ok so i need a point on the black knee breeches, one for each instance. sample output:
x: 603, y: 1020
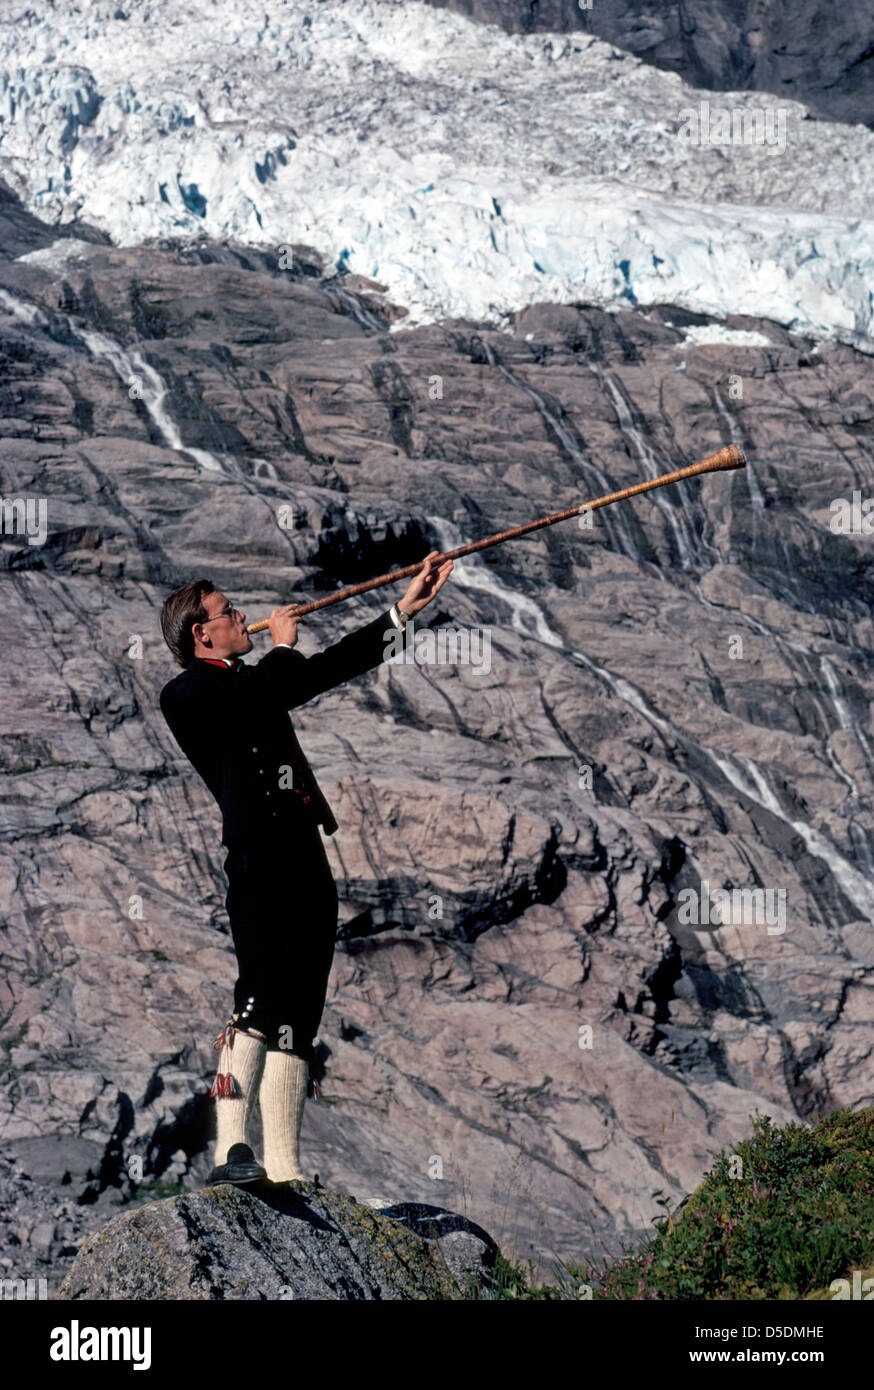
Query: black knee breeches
x: 282, y: 905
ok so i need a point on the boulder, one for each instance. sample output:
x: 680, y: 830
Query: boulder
x: 297, y: 1242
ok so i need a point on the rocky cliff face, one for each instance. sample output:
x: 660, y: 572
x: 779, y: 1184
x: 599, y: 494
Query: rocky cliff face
x: 808, y: 51
x: 527, y: 1021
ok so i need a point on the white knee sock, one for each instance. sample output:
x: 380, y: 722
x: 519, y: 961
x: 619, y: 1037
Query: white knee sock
x: 282, y: 1097
x: 245, y: 1058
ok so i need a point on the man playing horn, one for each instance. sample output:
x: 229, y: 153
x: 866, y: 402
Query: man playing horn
x: 232, y: 722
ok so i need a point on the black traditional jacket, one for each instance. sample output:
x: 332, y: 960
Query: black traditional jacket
x: 234, y: 727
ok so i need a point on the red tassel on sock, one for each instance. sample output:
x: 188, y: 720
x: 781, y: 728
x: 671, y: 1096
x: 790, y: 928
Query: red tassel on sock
x: 225, y: 1037
x: 225, y: 1084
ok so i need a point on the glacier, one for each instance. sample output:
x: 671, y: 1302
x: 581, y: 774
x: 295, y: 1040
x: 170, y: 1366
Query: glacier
x: 466, y: 171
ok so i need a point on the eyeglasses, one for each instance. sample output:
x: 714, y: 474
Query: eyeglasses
x: 228, y: 612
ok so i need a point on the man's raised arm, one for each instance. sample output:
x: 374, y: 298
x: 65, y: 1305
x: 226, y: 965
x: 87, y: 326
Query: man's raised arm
x: 304, y: 677
x: 301, y: 677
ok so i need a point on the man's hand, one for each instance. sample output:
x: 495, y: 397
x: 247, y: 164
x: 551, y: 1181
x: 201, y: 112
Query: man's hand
x: 423, y: 586
x: 283, y: 627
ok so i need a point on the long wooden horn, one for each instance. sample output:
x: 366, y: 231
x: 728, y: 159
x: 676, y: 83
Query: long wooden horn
x: 730, y: 457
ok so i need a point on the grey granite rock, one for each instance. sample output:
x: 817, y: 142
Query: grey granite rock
x: 295, y: 1242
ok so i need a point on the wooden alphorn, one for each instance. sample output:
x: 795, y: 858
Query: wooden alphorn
x: 730, y: 457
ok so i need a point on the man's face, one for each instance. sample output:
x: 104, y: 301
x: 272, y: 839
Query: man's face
x: 223, y: 632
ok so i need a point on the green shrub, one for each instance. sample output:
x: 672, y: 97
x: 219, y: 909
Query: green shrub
x: 801, y: 1215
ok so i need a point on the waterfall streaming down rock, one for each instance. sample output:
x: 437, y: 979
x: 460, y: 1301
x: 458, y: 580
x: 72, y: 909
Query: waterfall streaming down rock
x: 615, y: 522
x: 141, y: 379
x: 675, y: 516
x: 526, y: 616
x: 742, y: 772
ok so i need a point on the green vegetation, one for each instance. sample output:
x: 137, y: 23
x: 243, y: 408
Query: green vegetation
x: 154, y: 1189
x: 785, y: 1214
x: 512, y: 1281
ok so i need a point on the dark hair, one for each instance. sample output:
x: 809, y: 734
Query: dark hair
x: 184, y: 607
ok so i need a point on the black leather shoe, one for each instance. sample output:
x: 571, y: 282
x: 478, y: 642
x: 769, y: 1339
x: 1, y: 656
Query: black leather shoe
x: 240, y: 1168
